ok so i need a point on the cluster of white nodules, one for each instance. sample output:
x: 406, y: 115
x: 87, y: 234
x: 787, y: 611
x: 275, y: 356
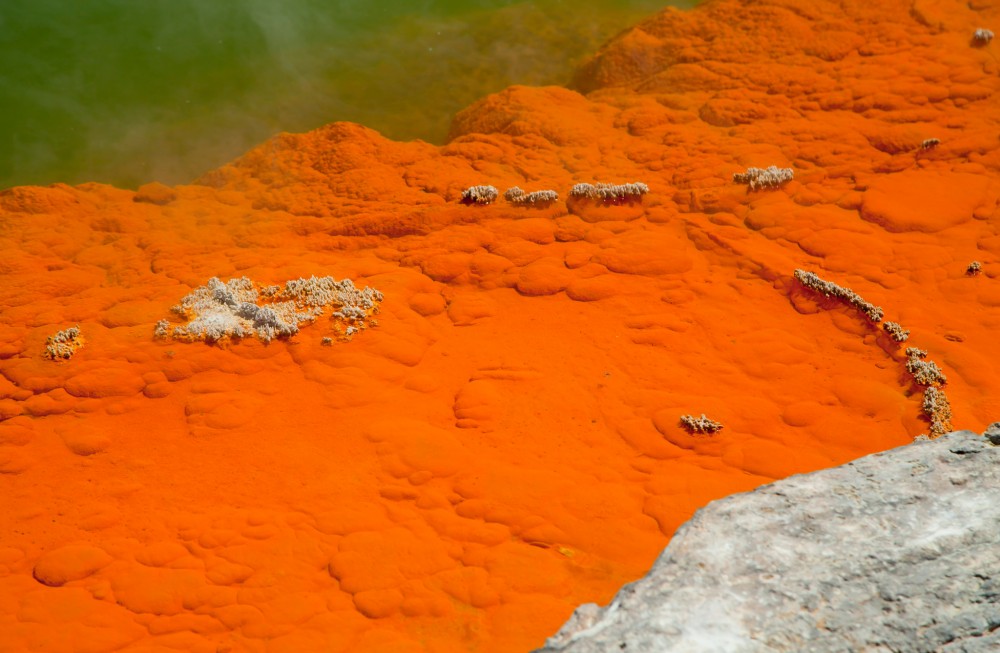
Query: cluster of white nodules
x: 317, y: 292
x: 896, y: 331
x: 63, y: 344
x: 982, y: 36
x: 700, y: 424
x: 937, y: 408
x: 237, y: 309
x: 220, y: 310
x: 935, y: 405
x: 480, y: 195
x: 924, y: 372
x: 610, y: 192
x: 769, y: 177
x: 517, y: 196
x: 830, y: 289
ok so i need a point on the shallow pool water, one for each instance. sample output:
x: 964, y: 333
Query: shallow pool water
x: 124, y: 92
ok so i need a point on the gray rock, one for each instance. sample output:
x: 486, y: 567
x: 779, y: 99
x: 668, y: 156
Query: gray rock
x: 895, y: 552
x: 992, y: 433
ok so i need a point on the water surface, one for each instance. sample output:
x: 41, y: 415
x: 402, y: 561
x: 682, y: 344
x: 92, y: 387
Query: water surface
x: 124, y: 92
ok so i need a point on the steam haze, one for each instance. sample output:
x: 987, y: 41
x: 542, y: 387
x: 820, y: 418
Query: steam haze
x: 122, y: 92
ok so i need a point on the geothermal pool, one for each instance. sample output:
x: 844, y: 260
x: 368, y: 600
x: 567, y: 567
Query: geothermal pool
x: 477, y: 421
x: 125, y: 93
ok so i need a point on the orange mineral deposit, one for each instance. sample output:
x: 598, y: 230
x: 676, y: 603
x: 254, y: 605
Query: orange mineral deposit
x: 501, y: 440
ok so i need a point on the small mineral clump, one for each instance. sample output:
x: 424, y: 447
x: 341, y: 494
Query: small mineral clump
x: 830, y: 289
x: 982, y: 36
x: 938, y: 410
x: 610, y: 193
x: 700, y: 424
x: 895, y: 331
x: 538, y: 198
x: 924, y: 372
x: 974, y: 268
x: 480, y: 195
x: 161, y: 329
x: 63, y: 344
x: 769, y: 177
x: 930, y: 143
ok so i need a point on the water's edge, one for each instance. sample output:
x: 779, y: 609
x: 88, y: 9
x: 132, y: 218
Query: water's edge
x: 115, y: 92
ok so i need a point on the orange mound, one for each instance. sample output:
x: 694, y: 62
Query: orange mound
x: 506, y: 443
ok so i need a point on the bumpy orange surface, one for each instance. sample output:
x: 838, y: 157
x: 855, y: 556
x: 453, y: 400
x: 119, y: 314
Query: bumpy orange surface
x: 505, y: 443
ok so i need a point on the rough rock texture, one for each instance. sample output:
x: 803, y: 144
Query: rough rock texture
x: 892, y: 552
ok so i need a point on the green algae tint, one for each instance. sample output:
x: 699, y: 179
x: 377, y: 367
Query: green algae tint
x: 125, y: 92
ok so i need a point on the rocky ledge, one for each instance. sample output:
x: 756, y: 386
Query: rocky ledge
x: 895, y: 551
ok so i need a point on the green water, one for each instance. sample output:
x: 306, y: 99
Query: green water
x: 129, y: 91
